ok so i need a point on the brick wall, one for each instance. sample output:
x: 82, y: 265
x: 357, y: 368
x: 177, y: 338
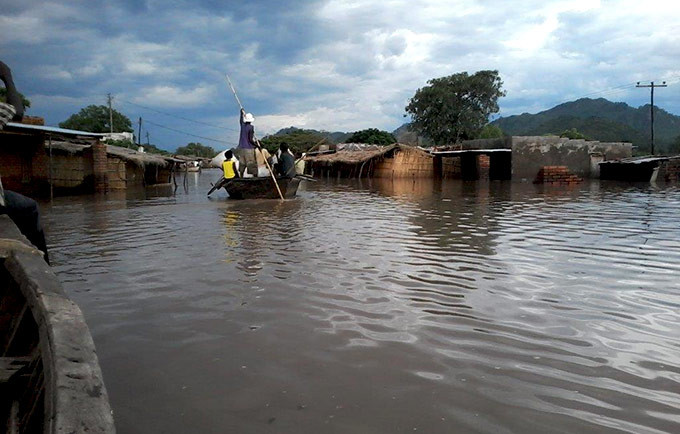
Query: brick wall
x: 483, y: 164
x: 100, y: 167
x: 669, y: 171
x: 556, y: 175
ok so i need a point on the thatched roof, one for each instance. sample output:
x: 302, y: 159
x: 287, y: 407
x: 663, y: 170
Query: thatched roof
x: 139, y: 158
x: 355, y: 157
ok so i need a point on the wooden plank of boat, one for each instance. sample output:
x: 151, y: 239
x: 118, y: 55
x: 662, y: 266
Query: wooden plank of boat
x: 54, y: 382
x: 261, y: 188
x: 10, y: 366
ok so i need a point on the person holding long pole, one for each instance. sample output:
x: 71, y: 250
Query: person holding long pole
x: 249, y: 139
x: 245, y: 151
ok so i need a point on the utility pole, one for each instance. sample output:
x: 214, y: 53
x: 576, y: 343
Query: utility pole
x: 147, y: 138
x: 652, y: 86
x: 139, y: 136
x: 110, y: 113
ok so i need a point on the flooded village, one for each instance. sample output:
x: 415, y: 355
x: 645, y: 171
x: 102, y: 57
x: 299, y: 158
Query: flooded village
x: 499, y: 263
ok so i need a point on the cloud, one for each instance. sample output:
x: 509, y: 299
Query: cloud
x: 174, y: 97
x: 328, y: 64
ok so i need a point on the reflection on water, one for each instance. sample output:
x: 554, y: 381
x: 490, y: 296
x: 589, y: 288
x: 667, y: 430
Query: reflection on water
x: 379, y: 306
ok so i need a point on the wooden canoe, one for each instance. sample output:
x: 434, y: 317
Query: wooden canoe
x: 258, y: 188
x: 50, y: 380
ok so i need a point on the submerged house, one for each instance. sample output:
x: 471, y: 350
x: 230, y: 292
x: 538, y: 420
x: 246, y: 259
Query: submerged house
x: 39, y: 160
x: 394, y: 161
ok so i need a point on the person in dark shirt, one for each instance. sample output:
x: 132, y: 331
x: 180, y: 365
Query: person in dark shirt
x: 286, y: 165
x: 247, y: 145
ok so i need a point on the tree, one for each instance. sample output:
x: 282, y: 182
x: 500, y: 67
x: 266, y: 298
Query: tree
x: 196, y: 150
x: 490, y: 132
x: 95, y: 119
x: 674, y: 148
x: 298, y: 140
x: 573, y: 133
x: 456, y: 107
x: 371, y: 136
x: 3, y: 97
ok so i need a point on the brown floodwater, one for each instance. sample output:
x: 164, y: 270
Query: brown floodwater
x: 381, y: 307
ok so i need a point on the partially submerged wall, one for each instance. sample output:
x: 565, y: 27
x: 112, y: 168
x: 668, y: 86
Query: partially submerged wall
x: 23, y: 163
x: 669, y: 171
x: 531, y: 153
x: 405, y: 163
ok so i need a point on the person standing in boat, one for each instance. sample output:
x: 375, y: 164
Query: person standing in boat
x: 286, y: 165
x: 247, y: 145
x: 230, y: 166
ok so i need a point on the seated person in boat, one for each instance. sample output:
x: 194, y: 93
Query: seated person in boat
x: 300, y: 164
x: 23, y: 211
x: 286, y: 164
x: 261, y: 154
x: 245, y: 152
x: 230, y: 165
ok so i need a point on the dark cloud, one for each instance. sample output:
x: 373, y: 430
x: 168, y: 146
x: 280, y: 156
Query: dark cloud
x: 352, y: 63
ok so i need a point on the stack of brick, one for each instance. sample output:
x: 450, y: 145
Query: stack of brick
x: 33, y: 120
x: 100, y: 167
x: 483, y: 165
x: 556, y: 175
x: 669, y: 171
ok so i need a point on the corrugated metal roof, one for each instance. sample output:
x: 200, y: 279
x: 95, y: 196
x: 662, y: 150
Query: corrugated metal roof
x: 55, y: 130
x: 636, y: 160
x: 470, y: 151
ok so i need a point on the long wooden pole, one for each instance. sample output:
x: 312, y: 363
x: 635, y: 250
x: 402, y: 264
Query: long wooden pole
x: 271, y: 172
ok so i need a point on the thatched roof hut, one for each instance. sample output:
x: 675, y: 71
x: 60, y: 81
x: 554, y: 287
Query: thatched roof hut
x: 141, y: 159
x: 396, y: 160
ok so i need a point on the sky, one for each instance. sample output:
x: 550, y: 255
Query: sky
x: 327, y: 65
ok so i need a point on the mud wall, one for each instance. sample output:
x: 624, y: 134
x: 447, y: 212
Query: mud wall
x: 531, y: 153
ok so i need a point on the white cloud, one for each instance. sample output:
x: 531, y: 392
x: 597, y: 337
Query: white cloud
x: 174, y: 97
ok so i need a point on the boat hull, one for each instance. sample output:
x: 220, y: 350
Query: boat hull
x: 261, y: 188
x: 50, y: 379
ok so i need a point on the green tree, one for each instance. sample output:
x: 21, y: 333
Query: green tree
x: 95, y: 119
x: 573, y: 133
x: 3, y: 97
x: 196, y: 150
x: 456, y: 107
x: 490, y: 132
x: 297, y: 140
x: 674, y: 148
x: 371, y: 136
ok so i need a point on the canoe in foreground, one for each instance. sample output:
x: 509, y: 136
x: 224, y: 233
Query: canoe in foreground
x: 259, y: 188
x: 50, y: 380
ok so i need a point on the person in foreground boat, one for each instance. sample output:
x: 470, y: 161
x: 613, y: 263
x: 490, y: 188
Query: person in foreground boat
x: 22, y: 210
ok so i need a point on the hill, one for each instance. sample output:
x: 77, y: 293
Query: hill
x: 598, y: 119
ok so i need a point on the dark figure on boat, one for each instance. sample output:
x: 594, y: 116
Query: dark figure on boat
x: 286, y: 164
x: 245, y: 152
x: 22, y: 210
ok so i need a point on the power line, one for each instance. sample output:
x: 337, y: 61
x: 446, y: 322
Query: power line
x: 179, y: 117
x: 189, y: 134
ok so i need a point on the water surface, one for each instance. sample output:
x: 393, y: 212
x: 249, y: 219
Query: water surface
x: 381, y: 307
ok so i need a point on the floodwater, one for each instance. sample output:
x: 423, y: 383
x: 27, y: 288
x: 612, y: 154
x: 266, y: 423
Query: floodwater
x: 381, y: 307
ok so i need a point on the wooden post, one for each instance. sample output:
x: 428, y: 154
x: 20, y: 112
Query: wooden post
x: 49, y: 138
